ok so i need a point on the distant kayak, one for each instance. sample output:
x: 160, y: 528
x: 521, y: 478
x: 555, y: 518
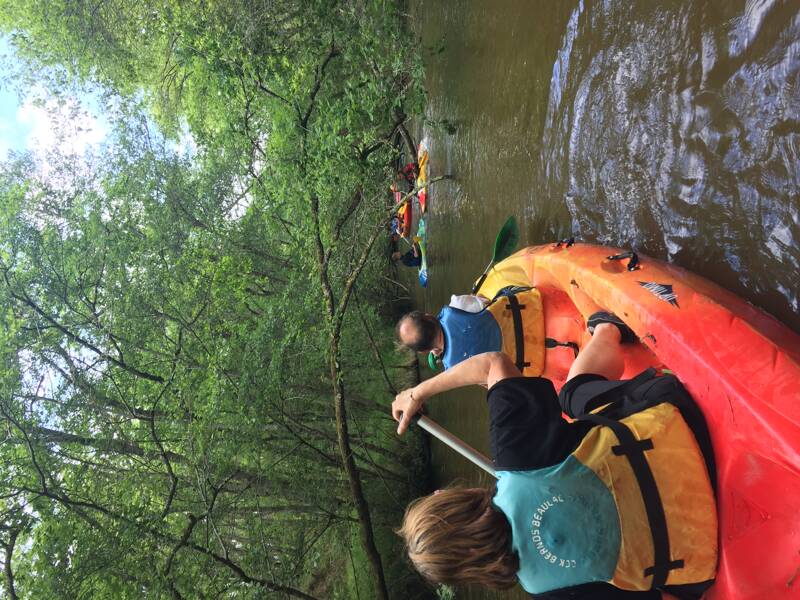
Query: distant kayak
x: 741, y: 366
x: 404, y: 214
x: 421, y: 239
x: 422, y: 178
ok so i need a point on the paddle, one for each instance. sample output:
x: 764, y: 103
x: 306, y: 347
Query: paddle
x: 504, y: 245
x: 456, y: 444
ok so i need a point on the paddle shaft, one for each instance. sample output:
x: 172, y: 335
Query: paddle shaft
x: 457, y: 444
x: 485, y: 274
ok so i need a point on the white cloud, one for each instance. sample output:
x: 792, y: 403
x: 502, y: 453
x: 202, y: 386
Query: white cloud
x: 66, y: 126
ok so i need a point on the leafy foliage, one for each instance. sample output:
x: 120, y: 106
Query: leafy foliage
x: 178, y: 331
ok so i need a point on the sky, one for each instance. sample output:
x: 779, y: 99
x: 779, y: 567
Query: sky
x: 13, y: 132
x: 36, y: 122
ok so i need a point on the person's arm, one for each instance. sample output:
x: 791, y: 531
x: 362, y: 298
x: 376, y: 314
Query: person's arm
x: 488, y: 369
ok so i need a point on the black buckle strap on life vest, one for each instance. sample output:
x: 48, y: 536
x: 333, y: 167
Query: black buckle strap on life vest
x: 625, y: 449
x: 519, y: 337
x: 634, y: 450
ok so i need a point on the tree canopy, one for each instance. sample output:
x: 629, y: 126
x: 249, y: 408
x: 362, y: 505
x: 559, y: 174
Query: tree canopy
x: 184, y: 396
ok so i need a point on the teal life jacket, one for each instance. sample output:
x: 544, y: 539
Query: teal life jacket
x: 564, y: 525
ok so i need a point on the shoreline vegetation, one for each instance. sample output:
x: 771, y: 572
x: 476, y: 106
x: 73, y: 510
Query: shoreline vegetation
x: 198, y: 357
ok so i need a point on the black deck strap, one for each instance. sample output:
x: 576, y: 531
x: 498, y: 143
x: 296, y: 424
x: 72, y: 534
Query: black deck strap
x: 553, y: 343
x: 519, y: 336
x: 510, y: 290
x: 633, y: 263
x: 634, y: 450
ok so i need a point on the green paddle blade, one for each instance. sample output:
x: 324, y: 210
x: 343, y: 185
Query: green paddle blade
x: 504, y: 245
x: 506, y: 241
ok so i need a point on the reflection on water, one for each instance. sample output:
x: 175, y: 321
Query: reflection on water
x: 670, y: 126
x: 677, y: 130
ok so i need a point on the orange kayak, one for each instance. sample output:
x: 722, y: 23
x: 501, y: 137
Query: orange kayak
x: 404, y: 215
x: 741, y: 365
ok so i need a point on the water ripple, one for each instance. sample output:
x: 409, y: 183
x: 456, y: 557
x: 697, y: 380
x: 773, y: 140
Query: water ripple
x: 676, y: 129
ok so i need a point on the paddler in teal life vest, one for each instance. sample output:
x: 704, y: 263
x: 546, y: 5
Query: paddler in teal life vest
x: 618, y: 504
x: 511, y: 323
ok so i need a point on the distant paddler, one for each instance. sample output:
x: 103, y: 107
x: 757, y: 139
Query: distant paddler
x: 411, y: 258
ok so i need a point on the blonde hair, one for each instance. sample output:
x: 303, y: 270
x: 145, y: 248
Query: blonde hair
x: 457, y: 536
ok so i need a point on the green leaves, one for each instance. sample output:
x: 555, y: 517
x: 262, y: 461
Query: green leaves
x: 165, y: 342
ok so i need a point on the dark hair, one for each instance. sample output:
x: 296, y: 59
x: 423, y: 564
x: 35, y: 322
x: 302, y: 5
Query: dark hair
x: 425, y: 329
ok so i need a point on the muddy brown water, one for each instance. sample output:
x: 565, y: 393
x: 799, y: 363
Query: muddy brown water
x: 669, y: 126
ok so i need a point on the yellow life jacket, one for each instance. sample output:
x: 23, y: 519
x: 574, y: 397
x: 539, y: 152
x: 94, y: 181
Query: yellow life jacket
x: 633, y: 505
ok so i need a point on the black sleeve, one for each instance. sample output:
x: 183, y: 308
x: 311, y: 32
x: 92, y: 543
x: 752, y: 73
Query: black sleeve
x: 525, y: 425
x: 597, y: 591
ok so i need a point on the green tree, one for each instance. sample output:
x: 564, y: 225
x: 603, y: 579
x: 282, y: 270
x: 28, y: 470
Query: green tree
x: 171, y: 365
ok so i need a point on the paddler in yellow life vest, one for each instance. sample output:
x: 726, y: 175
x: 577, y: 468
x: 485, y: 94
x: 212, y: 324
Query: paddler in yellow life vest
x: 618, y: 505
x: 511, y: 323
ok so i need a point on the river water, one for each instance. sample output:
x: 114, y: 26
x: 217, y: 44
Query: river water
x: 669, y: 126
